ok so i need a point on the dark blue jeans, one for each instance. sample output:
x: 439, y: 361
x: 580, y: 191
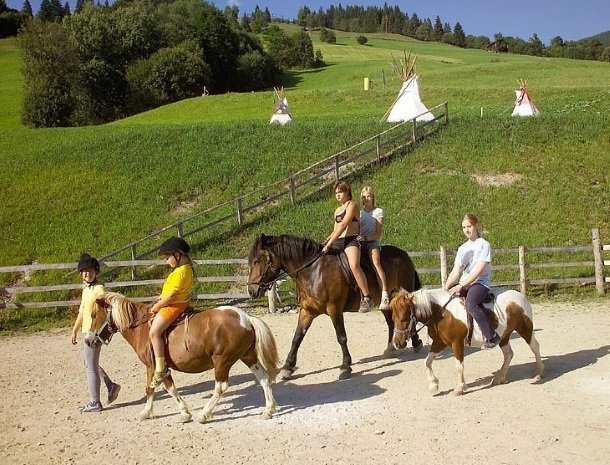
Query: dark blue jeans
x: 475, y: 295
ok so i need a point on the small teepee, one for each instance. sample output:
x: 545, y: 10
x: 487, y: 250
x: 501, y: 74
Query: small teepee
x: 524, y: 105
x: 408, y: 104
x: 281, y: 115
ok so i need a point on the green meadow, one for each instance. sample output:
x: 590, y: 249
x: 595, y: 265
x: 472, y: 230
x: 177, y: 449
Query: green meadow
x: 69, y: 190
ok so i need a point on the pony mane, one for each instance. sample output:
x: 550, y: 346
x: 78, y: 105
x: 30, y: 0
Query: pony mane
x: 124, y: 310
x: 288, y: 247
x: 422, y: 301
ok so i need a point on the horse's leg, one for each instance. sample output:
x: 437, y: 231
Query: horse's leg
x: 263, y: 379
x: 536, y: 350
x: 147, y: 413
x: 507, y: 351
x: 458, y: 353
x: 337, y: 318
x: 435, y: 349
x: 305, y: 319
x: 170, y: 387
x: 389, y: 350
x: 221, y: 374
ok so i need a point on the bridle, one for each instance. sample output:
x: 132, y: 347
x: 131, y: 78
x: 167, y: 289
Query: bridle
x: 109, y: 326
x: 410, y: 330
x: 279, y: 273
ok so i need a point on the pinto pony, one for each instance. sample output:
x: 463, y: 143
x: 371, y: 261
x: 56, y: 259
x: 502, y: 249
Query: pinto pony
x: 215, y: 338
x: 445, y: 317
x: 324, y: 286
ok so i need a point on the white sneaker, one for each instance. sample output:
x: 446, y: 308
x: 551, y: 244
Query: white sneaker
x: 385, y: 303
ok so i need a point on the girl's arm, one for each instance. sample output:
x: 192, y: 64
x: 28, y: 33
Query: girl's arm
x: 453, y: 278
x: 475, y: 273
x: 163, y: 302
x: 76, y: 327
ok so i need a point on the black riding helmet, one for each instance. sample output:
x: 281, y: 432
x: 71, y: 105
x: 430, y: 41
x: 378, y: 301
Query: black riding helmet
x: 174, y: 244
x: 87, y: 261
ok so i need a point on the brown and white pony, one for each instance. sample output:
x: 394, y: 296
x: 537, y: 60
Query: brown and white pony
x: 215, y: 338
x: 446, y: 317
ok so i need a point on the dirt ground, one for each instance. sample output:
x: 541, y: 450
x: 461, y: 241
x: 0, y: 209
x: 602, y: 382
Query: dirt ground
x: 383, y: 414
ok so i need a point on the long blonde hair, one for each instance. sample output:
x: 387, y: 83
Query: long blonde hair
x: 367, y: 190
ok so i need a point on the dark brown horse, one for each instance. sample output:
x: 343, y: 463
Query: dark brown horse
x: 324, y: 286
x: 215, y: 338
x: 445, y: 318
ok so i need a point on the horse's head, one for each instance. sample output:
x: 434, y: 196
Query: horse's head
x: 402, y: 307
x: 102, y: 327
x: 264, y: 267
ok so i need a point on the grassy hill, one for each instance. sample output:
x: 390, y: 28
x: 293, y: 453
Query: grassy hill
x: 97, y: 188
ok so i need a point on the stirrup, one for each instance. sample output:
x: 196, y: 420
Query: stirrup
x: 158, y: 378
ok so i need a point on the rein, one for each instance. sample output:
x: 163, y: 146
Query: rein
x: 413, y: 320
x: 281, y: 274
x: 112, y: 330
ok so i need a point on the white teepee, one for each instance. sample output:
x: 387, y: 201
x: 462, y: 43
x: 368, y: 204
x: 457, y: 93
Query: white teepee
x: 408, y: 104
x: 524, y: 105
x: 281, y: 115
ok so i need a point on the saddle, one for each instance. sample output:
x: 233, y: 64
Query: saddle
x: 489, y: 299
x: 365, y: 264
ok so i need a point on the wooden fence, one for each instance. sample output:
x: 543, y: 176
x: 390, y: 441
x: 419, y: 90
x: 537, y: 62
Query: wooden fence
x: 299, y: 186
x: 592, y: 266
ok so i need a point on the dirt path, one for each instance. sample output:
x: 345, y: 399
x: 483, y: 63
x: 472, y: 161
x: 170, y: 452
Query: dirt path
x: 383, y: 414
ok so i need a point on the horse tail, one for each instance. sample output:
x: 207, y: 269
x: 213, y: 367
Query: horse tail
x: 266, y: 348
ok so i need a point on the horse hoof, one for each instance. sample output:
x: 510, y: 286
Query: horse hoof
x: 267, y: 415
x: 285, y: 374
x: 203, y: 418
x: 458, y: 392
x: 145, y: 415
x: 418, y: 347
x: 346, y: 373
x: 185, y: 418
x: 390, y: 352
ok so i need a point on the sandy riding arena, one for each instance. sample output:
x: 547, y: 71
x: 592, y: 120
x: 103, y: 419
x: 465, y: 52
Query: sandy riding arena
x: 383, y: 414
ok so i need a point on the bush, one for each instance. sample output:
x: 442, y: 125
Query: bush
x: 361, y: 40
x: 168, y: 75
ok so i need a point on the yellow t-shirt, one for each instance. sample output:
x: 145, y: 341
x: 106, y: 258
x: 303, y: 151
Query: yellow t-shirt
x: 90, y: 293
x: 180, y: 280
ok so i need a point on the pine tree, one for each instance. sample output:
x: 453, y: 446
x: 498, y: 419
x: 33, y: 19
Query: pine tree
x: 459, y: 38
x: 67, y: 9
x: 27, y: 8
x: 438, y: 29
x: 3, y: 6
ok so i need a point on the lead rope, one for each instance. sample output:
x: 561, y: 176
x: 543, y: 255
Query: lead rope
x: 413, y: 320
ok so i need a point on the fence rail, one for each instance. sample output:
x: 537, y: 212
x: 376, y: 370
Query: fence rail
x: 522, y: 260
x: 299, y: 185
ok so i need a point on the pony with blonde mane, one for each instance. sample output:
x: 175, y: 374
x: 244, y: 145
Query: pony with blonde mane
x: 215, y: 338
x: 446, y: 320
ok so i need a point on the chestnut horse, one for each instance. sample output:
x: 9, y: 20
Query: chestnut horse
x: 324, y: 286
x: 214, y: 338
x: 445, y: 317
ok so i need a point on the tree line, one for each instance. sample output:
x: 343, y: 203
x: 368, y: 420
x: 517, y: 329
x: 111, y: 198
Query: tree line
x: 390, y: 19
x: 105, y: 62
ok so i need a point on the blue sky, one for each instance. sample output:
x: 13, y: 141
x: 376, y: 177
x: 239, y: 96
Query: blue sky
x: 570, y: 19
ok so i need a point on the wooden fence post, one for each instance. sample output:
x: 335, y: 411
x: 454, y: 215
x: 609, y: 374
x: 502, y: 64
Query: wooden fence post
x: 599, y: 262
x: 414, y: 130
x: 446, y: 112
x: 271, y: 293
x: 522, y: 270
x: 337, y: 168
x: 444, y: 267
x: 133, y: 257
x: 180, y: 229
x: 240, y: 216
x: 378, y: 150
x: 293, y: 192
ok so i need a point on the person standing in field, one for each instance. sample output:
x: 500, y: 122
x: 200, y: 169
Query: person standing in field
x: 89, y: 268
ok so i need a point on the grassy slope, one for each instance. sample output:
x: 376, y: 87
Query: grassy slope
x: 97, y: 188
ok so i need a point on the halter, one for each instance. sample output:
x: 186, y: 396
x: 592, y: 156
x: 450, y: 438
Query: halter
x: 280, y: 274
x: 413, y: 320
x: 106, y: 325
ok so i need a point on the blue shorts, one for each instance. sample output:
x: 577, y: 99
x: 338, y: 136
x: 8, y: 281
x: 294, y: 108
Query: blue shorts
x: 369, y: 245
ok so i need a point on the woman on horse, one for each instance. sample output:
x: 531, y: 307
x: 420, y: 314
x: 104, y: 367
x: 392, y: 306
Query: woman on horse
x: 473, y: 263
x: 344, y: 237
x: 371, y: 228
x: 173, y: 301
